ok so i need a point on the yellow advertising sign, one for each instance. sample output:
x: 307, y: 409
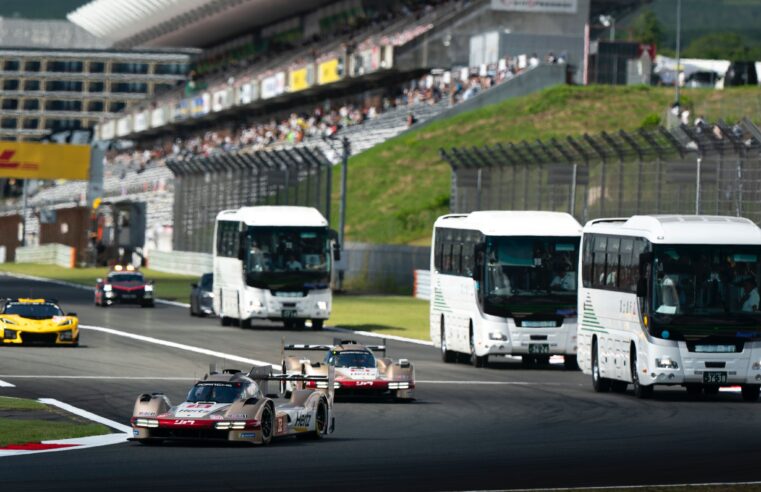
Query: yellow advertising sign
x: 27, y: 160
x: 328, y: 71
x: 298, y: 80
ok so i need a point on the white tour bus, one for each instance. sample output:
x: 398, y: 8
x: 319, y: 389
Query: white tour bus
x: 273, y: 262
x: 504, y: 283
x: 671, y: 300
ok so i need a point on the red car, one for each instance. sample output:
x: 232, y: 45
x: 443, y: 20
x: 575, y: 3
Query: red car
x: 124, y: 285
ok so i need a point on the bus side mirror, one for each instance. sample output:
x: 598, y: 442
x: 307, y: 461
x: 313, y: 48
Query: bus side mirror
x: 479, y: 252
x: 333, y: 236
x: 642, y: 287
x: 242, y: 246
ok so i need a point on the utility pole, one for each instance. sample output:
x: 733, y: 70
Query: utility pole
x: 346, y: 153
x: 25, y: 193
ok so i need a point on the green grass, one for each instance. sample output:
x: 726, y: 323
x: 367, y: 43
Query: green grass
x: 398, y: 188
x: 385, y: 315
x: 21, y: 431
x: 169, y: 286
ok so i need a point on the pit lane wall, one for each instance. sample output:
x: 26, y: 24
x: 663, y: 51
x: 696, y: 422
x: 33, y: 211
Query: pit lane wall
x: 364, y: 268
x: 48, y: 254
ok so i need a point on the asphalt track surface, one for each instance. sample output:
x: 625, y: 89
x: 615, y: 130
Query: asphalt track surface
x: 495, y: 428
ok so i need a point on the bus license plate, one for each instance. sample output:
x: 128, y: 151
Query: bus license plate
x: 288, y: 313
x: 538, y: 348
x: 714, y: 377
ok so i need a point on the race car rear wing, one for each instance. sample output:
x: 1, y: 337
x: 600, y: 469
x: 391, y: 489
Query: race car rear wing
x: 262, y: 375
x: 336, y: 342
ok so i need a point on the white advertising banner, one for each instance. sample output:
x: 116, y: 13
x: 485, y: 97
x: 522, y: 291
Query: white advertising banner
x: 273, y: 85
x: 537, y: 6
x: 158, y: 117
x: 140, y: 122
x: 124, y: 126
x: 107, y: 130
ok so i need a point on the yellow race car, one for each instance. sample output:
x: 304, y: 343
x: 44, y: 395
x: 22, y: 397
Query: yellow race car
x: 37, y: 322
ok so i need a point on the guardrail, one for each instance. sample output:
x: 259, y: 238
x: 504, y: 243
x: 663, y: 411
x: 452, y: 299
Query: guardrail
x: 185, y: 262
x: 48, y: 254
x: 422, y: 289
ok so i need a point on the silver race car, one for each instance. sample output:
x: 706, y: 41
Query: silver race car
x: 357, y: 370
x: 237, y: 406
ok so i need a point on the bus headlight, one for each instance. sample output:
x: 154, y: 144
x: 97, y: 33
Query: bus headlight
x: 666, y: 363
x: 322, y: 305
x: 148, y: 288
x: 255, y: 304
x: 107, y: 288
x: 496, y: 335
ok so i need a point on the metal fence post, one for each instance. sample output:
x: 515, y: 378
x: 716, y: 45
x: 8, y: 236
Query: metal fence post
x: 697, y: 185
x: 572, y: 200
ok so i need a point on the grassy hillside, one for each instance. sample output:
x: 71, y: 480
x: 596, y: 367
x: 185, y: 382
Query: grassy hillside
x: 398, y: 188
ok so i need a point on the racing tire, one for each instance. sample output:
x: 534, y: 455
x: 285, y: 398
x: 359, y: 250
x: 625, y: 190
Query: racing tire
x: 599, y: 383
x: 320, y: 422
x: 447, y: 356
x: 750, y: 392
x: 640, y: 391
x: 476, y: 360
x: 268, y: 424
x: 318, y: 324
x: 570, y: 362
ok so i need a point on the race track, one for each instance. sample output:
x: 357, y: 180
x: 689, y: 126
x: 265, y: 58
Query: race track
x: 502, y: 427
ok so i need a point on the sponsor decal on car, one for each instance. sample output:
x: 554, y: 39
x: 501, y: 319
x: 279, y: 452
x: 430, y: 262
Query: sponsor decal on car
x: 248, y: 435
x: 135, y: 432
x: 146, y: 414
x: 280, y: 425
x: 303, y: 419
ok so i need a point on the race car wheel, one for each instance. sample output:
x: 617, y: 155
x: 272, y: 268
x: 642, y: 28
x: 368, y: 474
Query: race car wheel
x: 600, y: 384
x: 317, y: 324
x: 447, y: 355
x: 320, y: 421
x: 476, y: 360
x: 268, y: 423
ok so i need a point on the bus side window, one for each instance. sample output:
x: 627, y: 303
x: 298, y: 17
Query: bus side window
x: 446, y: 257
x: 611, y: 263
x: 598, y: 271
x: 628, y: 270
x: 467, y: 253
x: 586, y: 270
x: 437, y: 250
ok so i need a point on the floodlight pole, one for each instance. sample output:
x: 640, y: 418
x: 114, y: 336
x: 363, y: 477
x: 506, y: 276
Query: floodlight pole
x: 678, y: 47
x: 345, y: 154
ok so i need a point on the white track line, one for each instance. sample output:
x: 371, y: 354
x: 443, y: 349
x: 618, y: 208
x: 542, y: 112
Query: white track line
x: 632, y: 487
x: 79, y: 286
x: 4, y: 384
x: 427, y: 343
x: 180, y: 346
x: 87, y: 415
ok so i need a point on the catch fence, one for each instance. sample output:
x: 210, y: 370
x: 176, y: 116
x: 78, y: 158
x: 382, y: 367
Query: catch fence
x: 204, y: 186
x: 709, y: 169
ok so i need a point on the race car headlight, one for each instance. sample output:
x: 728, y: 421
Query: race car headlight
x: 108, y: 288
x: 9, y: 334
x: 65, y: 322
x: 496, y: 335
x: 9, y: 322
x: 152, y: 423
x: 236, y: 425
x: 666, y: 363
x: 148, y: 288
x: 66, y: 335
x: 322, y: 305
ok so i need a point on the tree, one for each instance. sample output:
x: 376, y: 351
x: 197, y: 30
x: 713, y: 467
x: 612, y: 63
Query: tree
x: 722, y: 46
x: 647, y: 28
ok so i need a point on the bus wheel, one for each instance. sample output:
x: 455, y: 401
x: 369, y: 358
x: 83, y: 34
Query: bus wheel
x: 447, y: 355
x: 475, y: 360
x: 600, y: 384
x: 570, y: 363
x: 640, y: 391
x: 317, y: 324
x: 225, y: 321
x: 618, y: 386
x: 750, y: 392
x: 245, y: 324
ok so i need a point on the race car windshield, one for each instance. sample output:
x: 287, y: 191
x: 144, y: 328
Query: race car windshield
x: 215, y: 392
x: 33, y: 311
x: 126, y: 277
x: 351, y: 359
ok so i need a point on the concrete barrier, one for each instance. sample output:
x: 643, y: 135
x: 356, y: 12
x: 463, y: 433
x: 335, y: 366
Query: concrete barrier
x: 422, y: 289
x: 48, y: 254
x: 185, y: 262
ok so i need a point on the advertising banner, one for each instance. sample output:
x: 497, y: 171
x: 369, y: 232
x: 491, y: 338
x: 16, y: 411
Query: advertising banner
x: 107, y: 130
x: 246, y: 93
x: 124, y: 126
x: 140, y: 122
x: 536, y: 6
x: 158, y: 117
x: 181, y: 110
x: 28, y: 160
x: 222, y: 99
x: 273, y: 85
x: 201, y: 104
x: 299, y: 79
x: 330, y: 71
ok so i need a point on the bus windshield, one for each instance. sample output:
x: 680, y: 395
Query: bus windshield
x: 530, y: 273
x: 711, y: 287
x: 276, y: 254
